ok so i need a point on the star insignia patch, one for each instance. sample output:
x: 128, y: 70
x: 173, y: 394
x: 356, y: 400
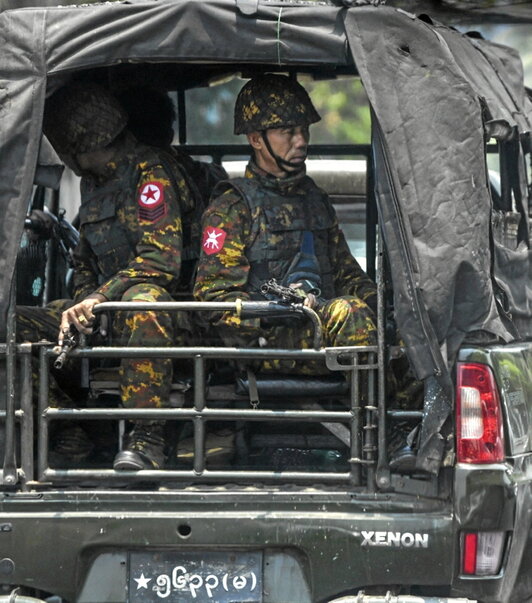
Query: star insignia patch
x: 152, y: 205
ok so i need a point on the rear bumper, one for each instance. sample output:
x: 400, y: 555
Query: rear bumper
x: 389, y: 598
x: 336, y: 544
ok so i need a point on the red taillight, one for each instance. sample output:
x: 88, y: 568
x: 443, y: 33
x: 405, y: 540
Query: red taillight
x: 469, y: 560
x: 479, y: 430
x: 482, y: 553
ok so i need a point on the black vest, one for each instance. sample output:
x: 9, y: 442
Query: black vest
x: 108, y: 217
x: 277, y: 233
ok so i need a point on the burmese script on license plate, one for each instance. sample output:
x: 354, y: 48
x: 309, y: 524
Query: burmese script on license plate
x: 180, y: 576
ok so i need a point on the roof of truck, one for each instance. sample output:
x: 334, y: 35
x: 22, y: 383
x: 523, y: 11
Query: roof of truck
x: 447, y: 11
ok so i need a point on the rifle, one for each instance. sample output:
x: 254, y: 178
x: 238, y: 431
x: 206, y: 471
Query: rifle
x: 70, y: 341
x: 292, y: 302
x: 44, y: 224
x: 284, y: 295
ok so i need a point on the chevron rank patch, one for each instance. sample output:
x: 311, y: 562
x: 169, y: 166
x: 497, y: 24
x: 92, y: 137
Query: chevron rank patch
x: 152, y: 205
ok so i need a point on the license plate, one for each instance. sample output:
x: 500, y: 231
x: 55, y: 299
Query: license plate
x: 221, y: 576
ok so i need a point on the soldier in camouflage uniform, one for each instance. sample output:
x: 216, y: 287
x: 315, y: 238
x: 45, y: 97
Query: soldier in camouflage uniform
x: 151, y: 115
x: 276, y: 223
x: 135, y: 208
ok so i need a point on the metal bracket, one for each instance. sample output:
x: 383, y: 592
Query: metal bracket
x: 346, y: 358
x: 248, y: 7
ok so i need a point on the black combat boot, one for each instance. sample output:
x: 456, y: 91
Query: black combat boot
x: 143, y: 448
x: 70, y: 445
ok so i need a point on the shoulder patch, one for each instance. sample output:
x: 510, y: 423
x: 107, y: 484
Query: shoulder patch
x: 152, y: 205
x: 213, y: 240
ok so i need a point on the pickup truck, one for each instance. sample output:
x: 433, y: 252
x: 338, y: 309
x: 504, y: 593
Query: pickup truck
x: 314, y: 489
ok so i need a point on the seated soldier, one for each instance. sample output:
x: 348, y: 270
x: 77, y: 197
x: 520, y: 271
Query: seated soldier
x: 151, y: 116
x: 133, y: 202
x: 276, y: 223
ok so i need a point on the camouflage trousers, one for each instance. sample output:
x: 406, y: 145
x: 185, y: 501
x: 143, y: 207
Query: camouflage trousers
x: 144, y: 383
x: 345, y: 321
x: 36, y: 324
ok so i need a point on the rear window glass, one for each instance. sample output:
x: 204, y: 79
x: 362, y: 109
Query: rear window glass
x: 342, y: 104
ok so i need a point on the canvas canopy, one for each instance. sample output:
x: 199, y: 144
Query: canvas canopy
x: 429, y: 87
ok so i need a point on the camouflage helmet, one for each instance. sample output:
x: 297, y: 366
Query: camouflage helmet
x: 273, y: 101
x: 82, y: 117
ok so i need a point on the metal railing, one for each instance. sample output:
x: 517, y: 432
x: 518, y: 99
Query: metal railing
x: 364, y: 412
x: 362, y: 445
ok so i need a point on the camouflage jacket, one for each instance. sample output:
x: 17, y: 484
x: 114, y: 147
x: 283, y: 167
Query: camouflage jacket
x: 131, y: 225
x: 236, y: 233
x: 201, y: 176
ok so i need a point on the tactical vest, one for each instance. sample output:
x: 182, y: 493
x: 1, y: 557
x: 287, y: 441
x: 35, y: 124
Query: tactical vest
x: 277, y: 235
x: 114, y: 242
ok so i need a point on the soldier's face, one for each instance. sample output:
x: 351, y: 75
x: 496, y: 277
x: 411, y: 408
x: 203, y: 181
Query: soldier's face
x: 71, y: 162
x: 94, y: 162
x: 290, y: 144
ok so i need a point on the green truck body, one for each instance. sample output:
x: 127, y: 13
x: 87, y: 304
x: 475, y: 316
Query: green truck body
x: 340, y: 522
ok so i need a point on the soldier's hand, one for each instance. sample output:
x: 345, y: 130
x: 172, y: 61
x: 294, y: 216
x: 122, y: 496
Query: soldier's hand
x: 40, y: 224
x: 311, y: 301
x: 80, y: 315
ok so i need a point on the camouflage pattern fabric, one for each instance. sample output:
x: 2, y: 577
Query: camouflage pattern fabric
x: 230, y: 229
x: 294, y: 235
x: 36, y: 324
x: 408, y: 392
x: 131, y: 225
x: 201, y: 175
x: 201, y: 178
x: 145, y: 383
x: 81, y: 118
x: 345, y: 321
x: 131, y: 243
x: 273, y: 101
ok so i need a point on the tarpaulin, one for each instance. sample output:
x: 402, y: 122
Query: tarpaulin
x: 427, y: 91
x: 429, y: 88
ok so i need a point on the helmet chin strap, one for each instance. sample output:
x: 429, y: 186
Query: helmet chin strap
x: 282, y: 164
x: 71, y: 161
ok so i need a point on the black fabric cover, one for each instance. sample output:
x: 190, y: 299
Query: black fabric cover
x: 294, y: 386
x: 425, y: 84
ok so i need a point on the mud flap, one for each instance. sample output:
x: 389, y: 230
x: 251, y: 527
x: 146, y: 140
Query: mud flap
x: 437, y: 408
